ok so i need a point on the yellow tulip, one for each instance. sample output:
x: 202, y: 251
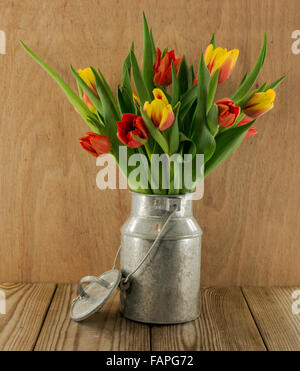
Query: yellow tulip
x: 89, y: 78
x: 159, y: 110
x: 219, y: 58
x: 260, y: 103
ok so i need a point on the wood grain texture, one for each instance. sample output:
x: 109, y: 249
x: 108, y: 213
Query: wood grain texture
x: 225, y: 323
x: 272, y: 310
x: 55, y: 225
x: 106, y: 330
x: 26, y: 308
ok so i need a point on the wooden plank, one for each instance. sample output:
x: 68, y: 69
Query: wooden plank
x: 26, y: 308
x: 272, y: 310
x: 54, y: 222
x: 105, y: 330
x: 225, y: 323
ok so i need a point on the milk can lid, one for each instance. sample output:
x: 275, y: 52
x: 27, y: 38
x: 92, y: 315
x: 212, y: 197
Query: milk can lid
x: 92, y: 298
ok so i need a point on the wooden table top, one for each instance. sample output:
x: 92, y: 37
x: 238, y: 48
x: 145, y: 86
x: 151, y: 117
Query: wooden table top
x: 247, y: 318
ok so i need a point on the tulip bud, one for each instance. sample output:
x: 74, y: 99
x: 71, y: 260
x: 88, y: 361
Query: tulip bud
x: 95, y: 144
x: 89, y: 78
x: 260, y: 103
x: 163, y: 67
x: 228, y: 112
x: 252, y: 130
x: 219, y: 59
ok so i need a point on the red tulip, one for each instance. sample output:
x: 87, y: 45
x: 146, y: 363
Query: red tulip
x: 252, y: 130
x: 132, y: 130
x: 162, y: 67
x: 228, y: 112
x: 95, y: 144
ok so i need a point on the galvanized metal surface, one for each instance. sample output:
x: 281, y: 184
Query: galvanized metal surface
x: 166, y: 288
x: 91, y: 299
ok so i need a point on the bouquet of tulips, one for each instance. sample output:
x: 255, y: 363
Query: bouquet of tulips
x: 169, y: 110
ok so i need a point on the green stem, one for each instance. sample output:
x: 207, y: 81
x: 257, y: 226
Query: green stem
x: 148, y: 151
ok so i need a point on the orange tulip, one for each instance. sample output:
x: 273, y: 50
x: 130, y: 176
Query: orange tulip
x: 252, y: 130
x: 95, y: 144
x: 228, y: 112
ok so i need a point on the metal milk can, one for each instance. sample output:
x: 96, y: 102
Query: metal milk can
x: 160, y: 258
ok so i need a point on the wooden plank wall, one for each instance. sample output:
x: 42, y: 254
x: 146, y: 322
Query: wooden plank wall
x: 55, y: 225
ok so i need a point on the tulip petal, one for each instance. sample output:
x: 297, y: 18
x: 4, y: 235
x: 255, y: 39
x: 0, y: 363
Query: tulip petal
x: 162, y: 67
x: 148, y: 109
x: 208, y: 53
x: 100, y: 143
x: 217, y: 59
x: 260, y: 103
x: 95, y: 144
x: 167, y: 118
x: 159, y: 94
x: 228, y: 112
x: 89, y: 103
x: 251, y: 132
x: 88, y: 148
x: 88, y: 77
x: 157, y: 107
x: 228, y: 65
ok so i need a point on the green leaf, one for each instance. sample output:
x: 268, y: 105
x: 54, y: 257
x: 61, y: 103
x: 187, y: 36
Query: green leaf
x: 73, y: 98
x: 275, y: 83
x: 186, y: 120
x: 212, y: 119
x: 121, y: 101
x: 262, y: 88
x: 175, y: 86
x: 248, y: 96
x: 174, y: 132
x: 126, y: 80
x: 155, y: 133
x: 251, y: 78
x: 188, y: 99
x: 80, y: 91
x: 246, y: 99
x: 109, y: 92
x: 153, y: 47
x: 213, y: 41
x: 202, y: 136
x: 110, y: 113
x: 191, y: 76
x: 148, y: 72
x: 94, y: 99
x: 141, y: 88
x: 244, y: 78
x: 212, y: 87
x: 226, y: 144
x: 128, y: 102
x: 187, y: 146
x: 183, y: 77
x: 207, y: 143
x: 164, y: 52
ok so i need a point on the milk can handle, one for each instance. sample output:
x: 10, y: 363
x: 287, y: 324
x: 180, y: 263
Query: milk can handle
x: 175, y: 207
